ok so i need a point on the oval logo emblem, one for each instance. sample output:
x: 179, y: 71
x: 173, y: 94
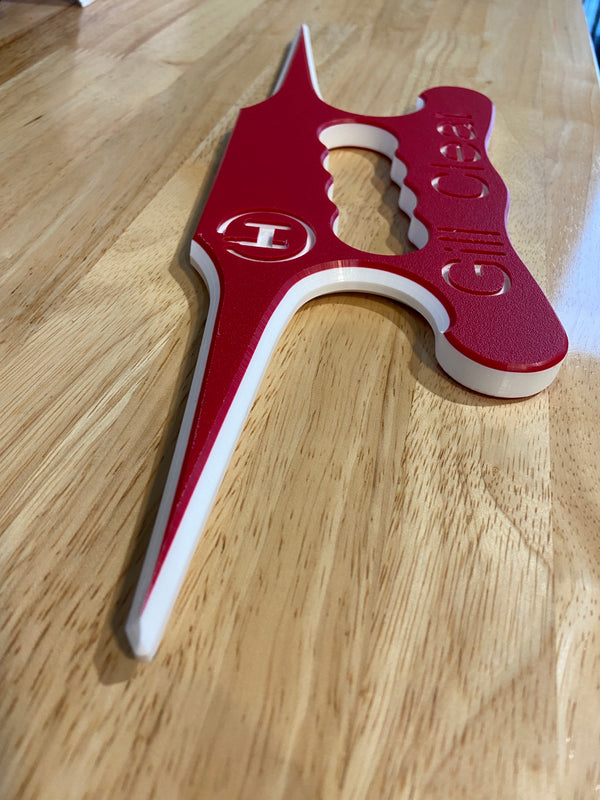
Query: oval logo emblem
x: 267, y: 236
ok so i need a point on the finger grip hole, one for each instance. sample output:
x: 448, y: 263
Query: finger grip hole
x: 367, y: 201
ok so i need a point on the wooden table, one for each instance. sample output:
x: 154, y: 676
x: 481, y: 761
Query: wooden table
x: 398, y: 591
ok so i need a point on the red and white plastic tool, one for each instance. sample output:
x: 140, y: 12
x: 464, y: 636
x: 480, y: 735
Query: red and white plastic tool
x: 266, y: 244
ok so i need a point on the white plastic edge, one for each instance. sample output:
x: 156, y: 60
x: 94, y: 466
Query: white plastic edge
x: 136, y: 633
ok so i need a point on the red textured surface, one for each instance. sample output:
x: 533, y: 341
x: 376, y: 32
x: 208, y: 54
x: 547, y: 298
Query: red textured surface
x: 273, y: 170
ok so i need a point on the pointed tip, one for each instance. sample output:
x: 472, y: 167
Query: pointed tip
x: 142, y: 649
x: 300, y: 49
x: 304, y: 31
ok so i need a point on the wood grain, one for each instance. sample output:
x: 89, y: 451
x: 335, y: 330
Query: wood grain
x: 398, y: 591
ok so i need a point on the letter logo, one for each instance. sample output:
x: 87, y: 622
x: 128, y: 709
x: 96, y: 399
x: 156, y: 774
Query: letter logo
x: 474, y: 276
x: 267, y: 236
